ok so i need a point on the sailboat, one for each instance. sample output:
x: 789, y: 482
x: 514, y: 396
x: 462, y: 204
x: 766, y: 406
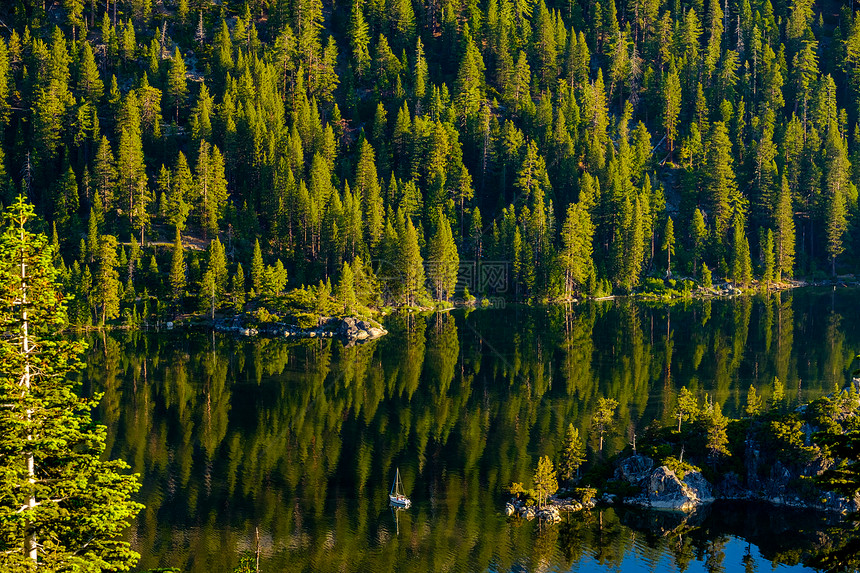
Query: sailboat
x: 396, y: 496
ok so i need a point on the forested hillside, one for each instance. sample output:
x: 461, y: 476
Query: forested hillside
x: 377, y: 144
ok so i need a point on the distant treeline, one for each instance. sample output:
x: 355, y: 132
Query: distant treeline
x: 584, y: 144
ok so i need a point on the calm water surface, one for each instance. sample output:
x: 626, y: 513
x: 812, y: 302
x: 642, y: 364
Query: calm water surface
x: 298, y: 440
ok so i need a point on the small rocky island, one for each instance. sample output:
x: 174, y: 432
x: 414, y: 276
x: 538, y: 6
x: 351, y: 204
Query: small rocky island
x: 803, y: 457
x: 350, y: 329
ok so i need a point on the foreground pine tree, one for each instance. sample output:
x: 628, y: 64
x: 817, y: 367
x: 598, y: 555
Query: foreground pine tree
x: 61, y: 507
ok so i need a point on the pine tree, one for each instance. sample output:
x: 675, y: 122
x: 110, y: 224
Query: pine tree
x: 217, y: 263
x: 208, y: 293
x: 741, y: 261
x: 359, y: 40
x: 603, y: 418
x: 687, y: 408
x: 274, y: 279
x: 104, y: 173
x: 420, y: 76
x: 576, y: 255
x: 706, y: 276
x: 179, y: 193
x: 754, y: 403
x: 131, y: 173
x: 58, y: 493
x: 573, y: 454
x: 469, y: 80
x: 345, y: 293
x: 698, y: 235
x: 413, y: 265
x: 66, y: 202
x: 784, y: 239
x: 177, y: 86
x: 768, y: 258
x: 90, y: 85
x: 671, y: 108
x: 5, y: 82
x: 717, y: 439
x: 177, y: 271
x: 210, y: 185
x: 200, y: 32
x: 476, y: 232
x: 442, y: 259
x: 668, y: 245
x: 778, y: 393
x: 201, y: 116
x: 718, y: 180
x: 630, y: 243
x: 545, y: 478
x: 48, y: 112
x: 107, y: 279
x: 836, y: 225
x: 257, y: 268
x: 237, y: 288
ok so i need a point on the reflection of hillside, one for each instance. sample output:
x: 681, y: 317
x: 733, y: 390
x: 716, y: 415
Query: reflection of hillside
x: 300, y: 438
x: 784, y: 535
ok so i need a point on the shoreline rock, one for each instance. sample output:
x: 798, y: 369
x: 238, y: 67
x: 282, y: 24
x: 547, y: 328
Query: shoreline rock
x: 663, y: 489
x: 350, y: 329
x: 551, y: 512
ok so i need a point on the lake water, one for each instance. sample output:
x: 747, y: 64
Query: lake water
x: 288, y: 448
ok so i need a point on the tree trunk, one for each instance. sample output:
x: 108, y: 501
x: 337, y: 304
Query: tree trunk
x: 30, y: 540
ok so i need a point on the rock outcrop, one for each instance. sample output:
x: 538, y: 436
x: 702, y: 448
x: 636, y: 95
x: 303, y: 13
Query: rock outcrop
x: 766, y: 480
x: 550, y: 513
x: 661, y: 487
x: 351, y: 330
x: 663, y: 490
x: 634, y: 469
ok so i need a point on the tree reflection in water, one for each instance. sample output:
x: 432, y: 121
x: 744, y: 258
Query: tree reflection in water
x: 299, y: 438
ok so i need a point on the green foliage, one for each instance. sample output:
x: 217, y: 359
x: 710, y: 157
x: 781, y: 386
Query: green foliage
x: 844, y: 477
x: 545, y: 479
x: 754, y: 403
x: 345, y: 293
x: 706, y: 276
x: 313, y: 130
x: 177, y: 270
x: 442, y: 260
x: 585, y: 494
x: 785, y: 436
x: 63, y: 505
x: 717, y: 439
x: 687, y: 408
x: 573, y: 454
x: 247, y: 564
x: 680, y: 468
x: 107, y: 283
x: 602, y: 420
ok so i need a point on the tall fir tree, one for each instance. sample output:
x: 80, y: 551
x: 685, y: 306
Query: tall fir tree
x: 741, y: 260
x: 64, y: 505
x: 257, y: 268
x: 442, y: 260
x: 412, y: 265
x: 107, y: 279
x: 178, y: 271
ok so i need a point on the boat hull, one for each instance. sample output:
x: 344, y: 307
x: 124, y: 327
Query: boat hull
x: 399, y: 500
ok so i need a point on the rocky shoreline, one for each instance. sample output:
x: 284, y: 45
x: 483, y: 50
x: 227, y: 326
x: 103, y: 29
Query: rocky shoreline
x: 661, y: 488
x: 350, y: 329
x: 551, y: 512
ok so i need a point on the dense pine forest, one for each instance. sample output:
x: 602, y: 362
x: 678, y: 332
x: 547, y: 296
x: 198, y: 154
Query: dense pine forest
x: 187, y: 153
